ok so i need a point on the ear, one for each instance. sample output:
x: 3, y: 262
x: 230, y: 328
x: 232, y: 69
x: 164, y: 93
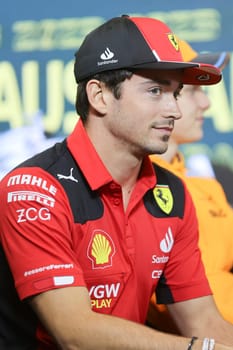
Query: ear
x: 95, y: 92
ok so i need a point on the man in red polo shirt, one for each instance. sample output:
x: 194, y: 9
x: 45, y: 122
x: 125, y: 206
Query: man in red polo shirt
x: 90, y: 228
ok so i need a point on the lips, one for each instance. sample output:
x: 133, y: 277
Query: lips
x: 165, y: 128
x: 200, y: 119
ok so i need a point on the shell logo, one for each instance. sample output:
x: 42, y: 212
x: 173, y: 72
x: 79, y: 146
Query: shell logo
x: 101, y: 250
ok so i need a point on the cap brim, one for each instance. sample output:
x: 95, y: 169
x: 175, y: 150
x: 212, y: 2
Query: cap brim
x: 205, y: 74
x: 217, y: 59
x: 193, y: 73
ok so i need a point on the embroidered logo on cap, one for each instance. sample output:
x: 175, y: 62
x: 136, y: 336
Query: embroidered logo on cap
x: 203, y: 77
x: 107, y: 54
x: 173, y: 40
x: 107, y: 58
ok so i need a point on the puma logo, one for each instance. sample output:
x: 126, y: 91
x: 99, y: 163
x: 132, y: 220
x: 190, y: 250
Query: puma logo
x: 68, y: 177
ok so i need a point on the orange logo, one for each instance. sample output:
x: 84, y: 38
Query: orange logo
x: 101, y: 250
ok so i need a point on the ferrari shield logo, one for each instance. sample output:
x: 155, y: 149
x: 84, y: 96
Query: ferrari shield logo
x: 163, y: 197
x: 173, y: 40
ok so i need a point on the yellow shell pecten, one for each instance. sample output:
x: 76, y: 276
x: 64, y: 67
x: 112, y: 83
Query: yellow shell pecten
x: 101, y: 249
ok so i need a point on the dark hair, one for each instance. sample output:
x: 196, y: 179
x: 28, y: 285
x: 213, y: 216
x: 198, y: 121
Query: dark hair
x: 112, y: 80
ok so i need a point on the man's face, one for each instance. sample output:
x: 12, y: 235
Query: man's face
x: 193, y: 102
x: 142, y: 120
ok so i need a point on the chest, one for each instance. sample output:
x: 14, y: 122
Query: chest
x: 122, y: 244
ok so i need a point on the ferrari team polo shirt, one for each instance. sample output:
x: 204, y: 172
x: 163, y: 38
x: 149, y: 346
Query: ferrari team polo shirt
x: 62, y: 223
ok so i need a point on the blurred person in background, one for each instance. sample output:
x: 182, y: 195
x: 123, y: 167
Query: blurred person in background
x: 18, y: 144
x: 215, y: 214
x: 224, y: 173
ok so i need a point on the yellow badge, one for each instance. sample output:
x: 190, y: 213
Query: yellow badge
x: 173, y: 40
x: 163, y: 197
x: 101, y: 250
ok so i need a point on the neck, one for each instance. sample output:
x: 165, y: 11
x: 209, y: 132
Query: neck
x: 123, y: 166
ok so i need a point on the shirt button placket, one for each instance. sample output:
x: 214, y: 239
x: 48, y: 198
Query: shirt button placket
x: 116, y: 194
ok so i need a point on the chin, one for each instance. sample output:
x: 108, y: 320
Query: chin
x: 194, y: 138
x: 158, y: 150
x: 197, y: 138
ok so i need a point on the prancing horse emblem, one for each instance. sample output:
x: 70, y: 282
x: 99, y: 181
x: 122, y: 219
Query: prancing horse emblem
x: 163, y: 197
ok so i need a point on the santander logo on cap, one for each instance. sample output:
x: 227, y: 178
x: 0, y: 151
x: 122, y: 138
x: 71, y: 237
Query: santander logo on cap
x: 107, y: 54
x: 107, y: 57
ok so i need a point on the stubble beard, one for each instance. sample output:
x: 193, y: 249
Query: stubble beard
x: 159, y: 148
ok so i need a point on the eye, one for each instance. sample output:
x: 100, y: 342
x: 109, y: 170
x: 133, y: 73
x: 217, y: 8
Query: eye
x: 177, y: 94
x: 156, y: 91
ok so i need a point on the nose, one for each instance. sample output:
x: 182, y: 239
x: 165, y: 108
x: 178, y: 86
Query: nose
x: 203, y: 99
x: 172, y: 108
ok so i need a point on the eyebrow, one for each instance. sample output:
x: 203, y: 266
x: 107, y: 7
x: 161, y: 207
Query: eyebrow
x: 165, y: 82
x: 181, y: 85
x: 160, y: 81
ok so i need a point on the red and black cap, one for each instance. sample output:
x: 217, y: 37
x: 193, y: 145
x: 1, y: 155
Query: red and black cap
x: 137, y: 43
